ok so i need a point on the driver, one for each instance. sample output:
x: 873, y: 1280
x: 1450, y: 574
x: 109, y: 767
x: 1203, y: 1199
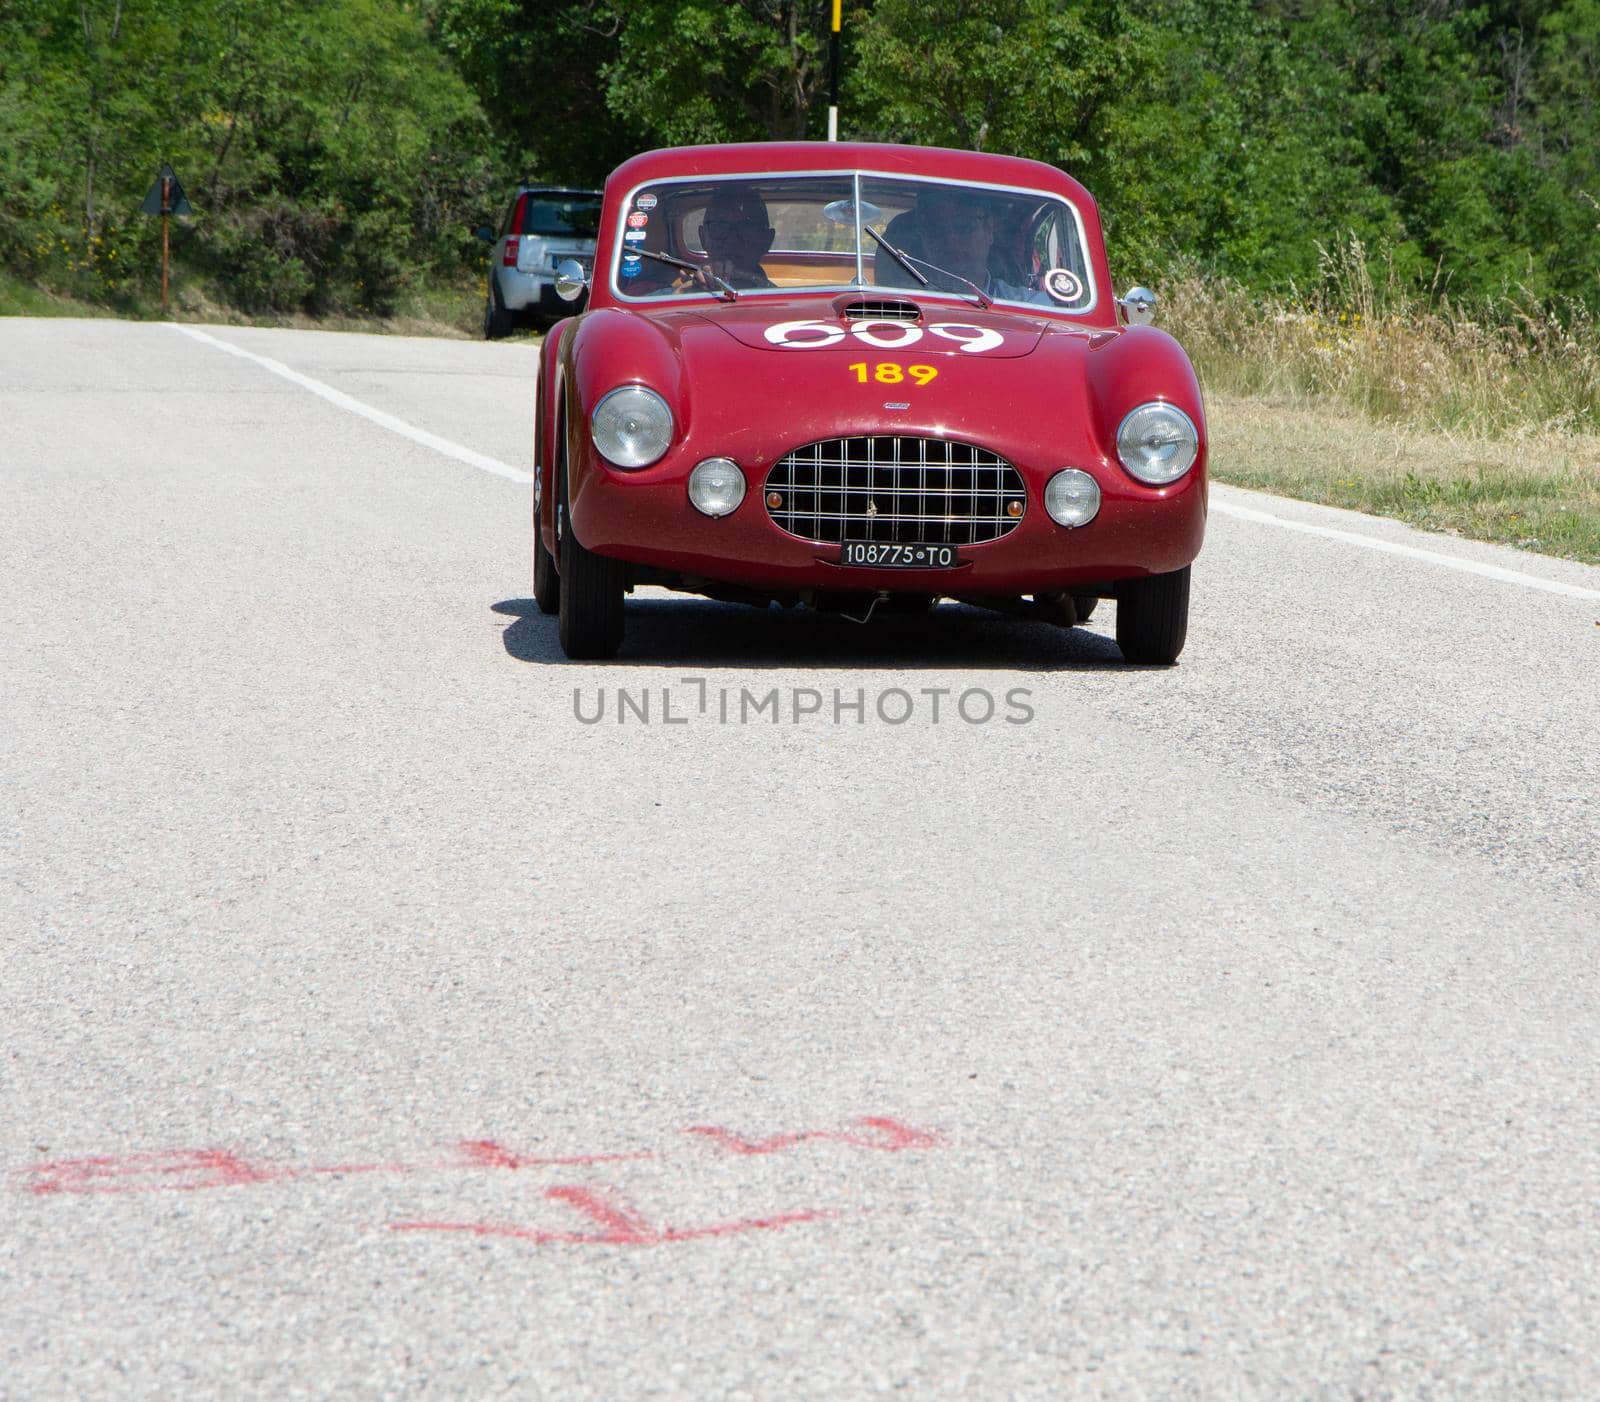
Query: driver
x: 736, y: 236
x: 957, y: 230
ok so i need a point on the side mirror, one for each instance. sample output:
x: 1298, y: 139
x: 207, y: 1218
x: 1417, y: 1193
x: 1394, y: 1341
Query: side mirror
x: 1139, y: 306
x: 570, y: 281
x: 484, y: 232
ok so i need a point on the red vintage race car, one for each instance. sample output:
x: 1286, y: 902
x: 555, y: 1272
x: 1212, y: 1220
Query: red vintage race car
x: 852, y: 375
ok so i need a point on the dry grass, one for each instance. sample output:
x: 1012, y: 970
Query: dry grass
x: 455, y: 313
x: 454, y: 310
x: 1484, y: 421
x: 1537, y: 490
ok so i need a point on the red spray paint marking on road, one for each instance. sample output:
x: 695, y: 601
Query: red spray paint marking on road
x: 164, y: 1171
x: 187, y: 1170
x: 622, y: 1224
x: 891, y: 1137
x: 485, y: 1153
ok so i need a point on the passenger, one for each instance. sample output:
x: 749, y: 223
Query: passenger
x: 736, y: 236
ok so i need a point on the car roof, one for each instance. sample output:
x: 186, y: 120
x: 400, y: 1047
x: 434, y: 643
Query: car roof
x: 783, y: 157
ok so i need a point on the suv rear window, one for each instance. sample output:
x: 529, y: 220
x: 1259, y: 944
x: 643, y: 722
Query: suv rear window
x: 565, y: 216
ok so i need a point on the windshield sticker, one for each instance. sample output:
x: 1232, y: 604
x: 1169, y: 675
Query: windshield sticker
x: 637, y: 220
x: 646, y: 202
x: 1063, y: 285
x: 633, y: 236
x: 631, y: 265
x: 813, y: 335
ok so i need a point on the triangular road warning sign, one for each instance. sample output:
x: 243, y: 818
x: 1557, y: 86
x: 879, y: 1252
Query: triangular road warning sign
x: 166, y: 195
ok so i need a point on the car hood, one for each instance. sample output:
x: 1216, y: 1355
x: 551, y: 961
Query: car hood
x: 858, y: 323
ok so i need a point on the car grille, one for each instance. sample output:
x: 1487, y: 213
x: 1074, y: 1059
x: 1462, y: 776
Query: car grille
x: 922, y: 491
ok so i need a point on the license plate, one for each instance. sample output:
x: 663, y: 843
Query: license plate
x: 884, y: 555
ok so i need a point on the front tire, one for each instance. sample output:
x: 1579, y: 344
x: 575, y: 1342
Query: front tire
x: 590, y: 604
x: 1153, y: 617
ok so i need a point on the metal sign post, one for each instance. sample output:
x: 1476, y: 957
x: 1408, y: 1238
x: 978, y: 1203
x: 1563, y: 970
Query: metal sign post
x: 166, y: 206
x: 166, y: 198
x: 833, y: 74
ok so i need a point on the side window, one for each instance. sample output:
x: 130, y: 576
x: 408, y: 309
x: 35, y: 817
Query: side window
x: 1059, y: 266
x: 1046, y: 246
x: 689, y: 221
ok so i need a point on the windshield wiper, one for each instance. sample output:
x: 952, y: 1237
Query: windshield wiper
x: 899, y: 256
x: 700, y: 270
x: 905, y: 260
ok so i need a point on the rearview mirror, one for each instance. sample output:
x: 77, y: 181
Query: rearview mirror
x: 844, y: 212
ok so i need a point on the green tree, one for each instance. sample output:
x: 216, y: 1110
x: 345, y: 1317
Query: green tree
x: 719, y: 70
x: 1025, y: 77
x: 536, y: 70
x: 330, y: 151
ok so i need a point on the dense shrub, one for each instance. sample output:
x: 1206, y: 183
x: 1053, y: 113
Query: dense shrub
x: 331, y: 153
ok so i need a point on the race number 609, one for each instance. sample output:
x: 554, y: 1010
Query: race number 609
x: 885, y: 335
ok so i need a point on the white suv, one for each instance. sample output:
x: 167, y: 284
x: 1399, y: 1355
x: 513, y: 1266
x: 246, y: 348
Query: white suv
x: 544, y: 225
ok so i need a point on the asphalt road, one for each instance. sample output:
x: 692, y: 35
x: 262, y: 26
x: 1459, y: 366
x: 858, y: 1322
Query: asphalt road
x: 378, y: 1023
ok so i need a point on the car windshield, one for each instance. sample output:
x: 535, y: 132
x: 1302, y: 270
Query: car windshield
x: 816, y: 232
x: 562, y: 216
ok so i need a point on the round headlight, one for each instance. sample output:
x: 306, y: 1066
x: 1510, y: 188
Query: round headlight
x: 1072, y: 498
x: 716, y: 486
x: 1158, y: 443
x: 631, y: 426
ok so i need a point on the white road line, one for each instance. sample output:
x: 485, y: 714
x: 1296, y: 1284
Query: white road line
x: 417, y: 435
x: 1410, y: 552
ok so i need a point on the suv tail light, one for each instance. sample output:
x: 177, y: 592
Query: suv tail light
x: 508, y: 259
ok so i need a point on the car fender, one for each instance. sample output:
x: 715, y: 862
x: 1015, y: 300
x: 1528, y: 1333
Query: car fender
x: 608, y: 349
x: 1131, y: 367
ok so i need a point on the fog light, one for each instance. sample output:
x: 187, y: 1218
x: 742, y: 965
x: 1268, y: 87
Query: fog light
x: 716, y: 486
x: 774, y: 500
x: 1072, y: 498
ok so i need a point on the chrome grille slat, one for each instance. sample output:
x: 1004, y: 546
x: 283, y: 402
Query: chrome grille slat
x: 939, y: 492
x: 886, y: 516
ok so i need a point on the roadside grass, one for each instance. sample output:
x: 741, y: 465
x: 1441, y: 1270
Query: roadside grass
x: 451, y: 310
x: 1537, y: 490
x: 1481, y: 421
x: 19, y: 298
x: 435, y: 309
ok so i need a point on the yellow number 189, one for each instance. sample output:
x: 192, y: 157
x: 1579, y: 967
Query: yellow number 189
x: 887, y: 372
